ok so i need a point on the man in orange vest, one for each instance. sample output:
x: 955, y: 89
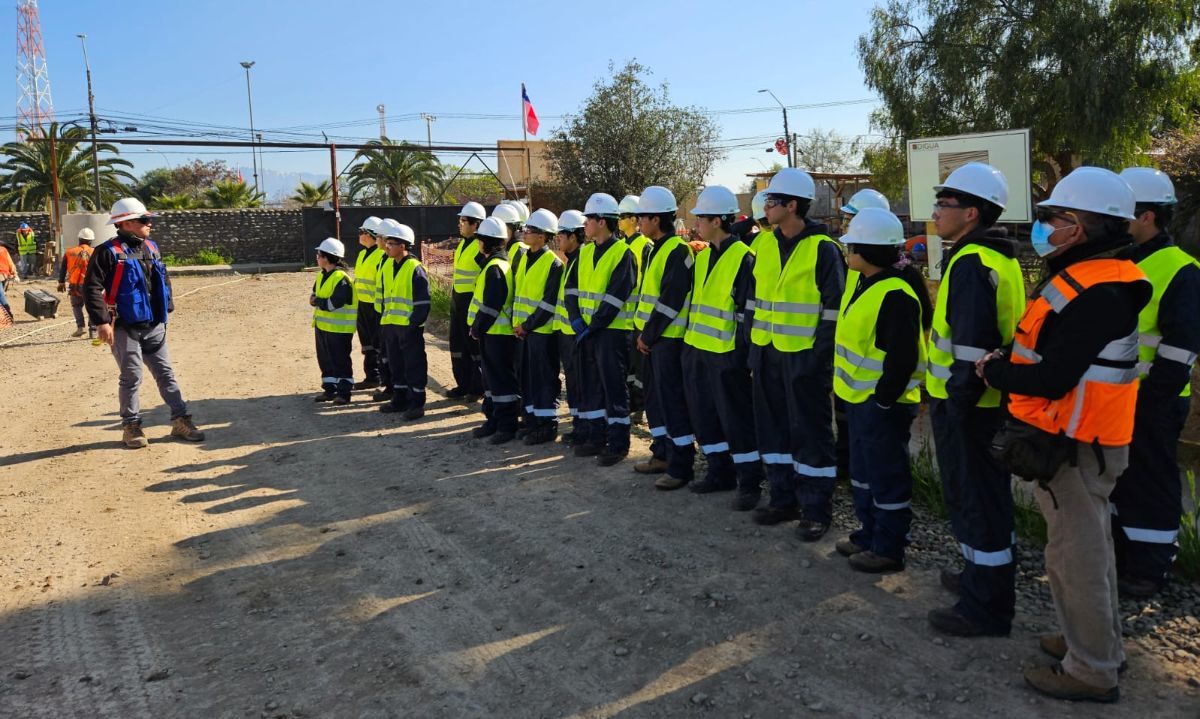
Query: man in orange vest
x: 1072, y: 384
x: 70, y: 275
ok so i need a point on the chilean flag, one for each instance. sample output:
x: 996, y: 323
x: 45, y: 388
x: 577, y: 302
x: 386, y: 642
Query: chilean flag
x: 531, y: 121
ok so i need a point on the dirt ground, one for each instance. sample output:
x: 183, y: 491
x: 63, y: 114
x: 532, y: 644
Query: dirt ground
x: 313, y: 561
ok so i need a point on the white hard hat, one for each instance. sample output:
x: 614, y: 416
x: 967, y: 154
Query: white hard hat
x: 794, y: 182
x: 492, y: 227
x: 86, y: 235
x: 656, y: 199
x: 332, y: 246
x: 474, y: 210
x: 874, y: 226
x: 758, y: 204
x: 371, y: 225
x: 865, y: 198
x: 1093, y: 189
x: 629, y: 205
x: 1150, y: 185
x: 543, y: 220
x: 602, y: 204
x: 129, y: 208
x: 519, y: 206
x: 980, y: 180
x: 397, y: 230
x: 716, y: 200
x: 507, y: 214
x: 571, y: 220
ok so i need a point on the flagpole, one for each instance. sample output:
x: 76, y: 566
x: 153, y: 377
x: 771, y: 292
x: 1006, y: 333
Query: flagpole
x: 525, y: 144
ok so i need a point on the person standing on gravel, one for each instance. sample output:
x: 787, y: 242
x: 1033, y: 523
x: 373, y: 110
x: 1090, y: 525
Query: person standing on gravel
x: 127, y: 294
x: 570, y: 238
x: 71, y: 274
x: 537, y: 282
x: 464, y: 351
x: 402, y: 302
x: 490, y: 318
x: 366, y: 266
x: 335, y: 317
x: 26, y: 250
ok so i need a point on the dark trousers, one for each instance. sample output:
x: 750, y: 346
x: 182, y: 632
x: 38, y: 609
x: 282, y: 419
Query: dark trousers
x: 405, y: 349
x: 464, y: 351
x: 793, y: 420
x: 667, y: 407
x: 720, y: 403
x: 978, y: 492
x: 539, y: 379
x: 1147, y: 501
x: 333, y: 357
x: 604, y: 405
x: 502, y: 391
x: 568, y: 356
x: 842, y: 446
x: 368, y: 340
x: 76, y: 295
x: 636, y: 379
x: 880, y: 475
x: 655, y: 422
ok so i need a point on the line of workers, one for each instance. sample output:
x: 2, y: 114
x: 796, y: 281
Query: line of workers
x: 746, y: 347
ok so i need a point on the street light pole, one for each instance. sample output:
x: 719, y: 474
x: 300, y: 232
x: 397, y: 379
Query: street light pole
x: 92, y: 115
x: 253, y: 156
x: 787, y: 135
x: 429, y: 120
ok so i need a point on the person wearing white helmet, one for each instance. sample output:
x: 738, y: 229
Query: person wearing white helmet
x: 402, y: 302
x: 464, y: 351
x: 570, y: 239
x: 979, y: 300
x: 508, y: 213
x: 71, y: 273
x: 490, y: 318
x: 799, y: 278
x: 335, y: 317
x: 865, y: 198
x: 1147, y: 500
x: 599, y: 291
x: 366, y: 267
x: 640, y: 246
x: 1072, y: 384
x: 537, y: 279
x: 877, y: 371
x: 127, y: 293
x: 716, y: 374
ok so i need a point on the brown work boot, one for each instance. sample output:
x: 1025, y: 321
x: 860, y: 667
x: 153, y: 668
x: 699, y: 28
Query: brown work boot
x: 1056, y: 646
x: 1053, y: 681
x: 654, y: 465
x: 668, y: 483
x: 133, y: 436
x: 183, y: 428
x: 848, y: 548
x: 78, y: 332
x: 872, y: 563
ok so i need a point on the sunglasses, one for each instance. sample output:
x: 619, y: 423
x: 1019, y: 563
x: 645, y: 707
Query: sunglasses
x: 144, y: 220
x: 946, y: 206
x: 1045, y: 214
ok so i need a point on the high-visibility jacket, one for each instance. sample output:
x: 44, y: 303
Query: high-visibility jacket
x: 26, y: 243
x: 766, y: 235
x: 787, y: 303
x: 530, y: 286
x: 650, y: 283
x: 1100, y: 408
x: 394, y: 292
x: 504, y: 316
x: 713, y: 318
x: 562, y: 321
x: 1160, y: 268
x: 1010, y: 301
x: 465, y: 267
x: 593, y: 282
x: 857, y: 362
x: 366, y: 267
x: 637, y: 245
x: 344, y: 319
x: 76, y: 260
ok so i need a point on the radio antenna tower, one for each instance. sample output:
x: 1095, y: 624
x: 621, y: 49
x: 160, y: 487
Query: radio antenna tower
x: 382, y: 120
x: 35, y: 109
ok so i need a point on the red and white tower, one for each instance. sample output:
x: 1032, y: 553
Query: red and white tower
x: 35, y: 109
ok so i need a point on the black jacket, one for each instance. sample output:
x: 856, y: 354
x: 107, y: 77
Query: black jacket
x: 673, y: 288
x: 898, y: 333
x: 99, y: 276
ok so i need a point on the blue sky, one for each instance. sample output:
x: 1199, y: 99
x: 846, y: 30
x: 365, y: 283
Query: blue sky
x: 320, y: 63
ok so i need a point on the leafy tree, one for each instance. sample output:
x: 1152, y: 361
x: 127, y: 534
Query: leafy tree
x: 25, y: 182
x: 232, y: 194
x: 628, y: 135
x: 468, y: 186
x: 153, y: 183
x: 1179, y: 156
x: 888, y: 165
x: 191, y: 179
x: 395, y: 176
x: 827, y: 151
x: 177, y: 201
x: 310, y: 195
x: 1093, y: 79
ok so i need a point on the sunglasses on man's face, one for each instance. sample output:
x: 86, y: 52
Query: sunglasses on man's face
x: 145, y: 220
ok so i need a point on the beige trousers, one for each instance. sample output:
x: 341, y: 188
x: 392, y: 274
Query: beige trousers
x: 1081, y: 566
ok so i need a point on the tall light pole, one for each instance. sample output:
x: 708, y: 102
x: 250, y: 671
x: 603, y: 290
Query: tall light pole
x: 429, y: 120
x: 92, y: 115
x: 253, y: 156
x: 787, y: 135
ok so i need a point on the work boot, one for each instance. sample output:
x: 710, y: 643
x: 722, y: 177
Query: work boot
x: 183, y: 428
x: 948, y: 620
x: 78, y: 332
x: 540, y: 435
x: 588, y: 449
x: 341, y: 399
x: 847, y: 548
x: 483, y: 430
x: 569, y: 439
x: 367, y: 384
x: 1056, y: 646
x: 1134, y: 588
x: 325, y: 397
x: 471, y: 398
x: 609, y: 457
x: 414, y: 413
x: 668, y: 483
x: 502, y: 437
x: 455, y: 393
x: 713, y: 484
x: 951, y: 581
x: 383, y: 395
x: 745, y: 501
x: 91, y: 333
x: 523, y: 430
x: 1053, y: 681
x: 872, y: 563
x: 810, y: 531
x: 654, y: 465
x: 133, y: 436
x: 768, y: 516
x: 392, y: 408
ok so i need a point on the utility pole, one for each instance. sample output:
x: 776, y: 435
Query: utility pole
x: 92, y: 116
x: 382, y: 121
x: 787, y: 135
x: 429, y: 120
x: 262, y: 164
x: 247, y: 64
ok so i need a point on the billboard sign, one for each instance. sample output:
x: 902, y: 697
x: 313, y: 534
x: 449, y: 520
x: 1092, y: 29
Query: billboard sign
x: 931, y: 160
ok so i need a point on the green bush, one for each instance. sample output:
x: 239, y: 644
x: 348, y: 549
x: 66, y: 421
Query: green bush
x: 927, y: 482
x: 203, y: 257
x: 439, y: 298
x: 1187, y: 564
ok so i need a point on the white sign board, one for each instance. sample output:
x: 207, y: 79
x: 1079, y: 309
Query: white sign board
x: 932, y: 159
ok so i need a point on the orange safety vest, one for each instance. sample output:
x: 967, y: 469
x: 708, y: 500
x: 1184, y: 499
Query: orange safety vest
x: 1100, y: 408
x: 77, y: 261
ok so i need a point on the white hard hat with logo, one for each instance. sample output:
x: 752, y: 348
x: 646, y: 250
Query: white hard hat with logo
x: 129, y: 208
x: 493, y: 227
x: 656, y: 199
x: 716, y: 200
x: 794, y: 182
x: 602, y: 204
x: 522, y: 210
x: 571, y: 220
x: 507, y: 214
x: 397, y: 230
x: 1150, y: 185
x: 865, y: 198
x: 543, y: 220
x: 1093, y: 189
x: 86, y: 235
x: 980, y: 180
x: 629, y: 205
x: 332, y: 246
x: 874, y: 226
x: 371, y: 225
x: 473, y: 210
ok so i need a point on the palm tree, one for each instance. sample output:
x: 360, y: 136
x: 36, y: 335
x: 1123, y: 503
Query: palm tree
x: 25, y: 182
x: 310, y: 195
x: 230, y: 194
x: 177, y: 201
x: 396, y: 175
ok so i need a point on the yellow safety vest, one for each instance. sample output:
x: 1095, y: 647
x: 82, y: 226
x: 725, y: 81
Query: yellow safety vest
x: 1161, y: 268
x: 503, y: 324
x: 651, y: 284
x: 593, y: 282
x: 562, y: 321
x: 1010, y: 303
x: 26, y: 244
x: 713, y: 318
x: 762, y: 236
x: 637, y: 245
x: 530, y: 286
x: 787, y: 303
x: 366, y: 267
x: 394, y: 297
x: 342, y: 320
x: 857, y: 362
x: 465, y: 267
